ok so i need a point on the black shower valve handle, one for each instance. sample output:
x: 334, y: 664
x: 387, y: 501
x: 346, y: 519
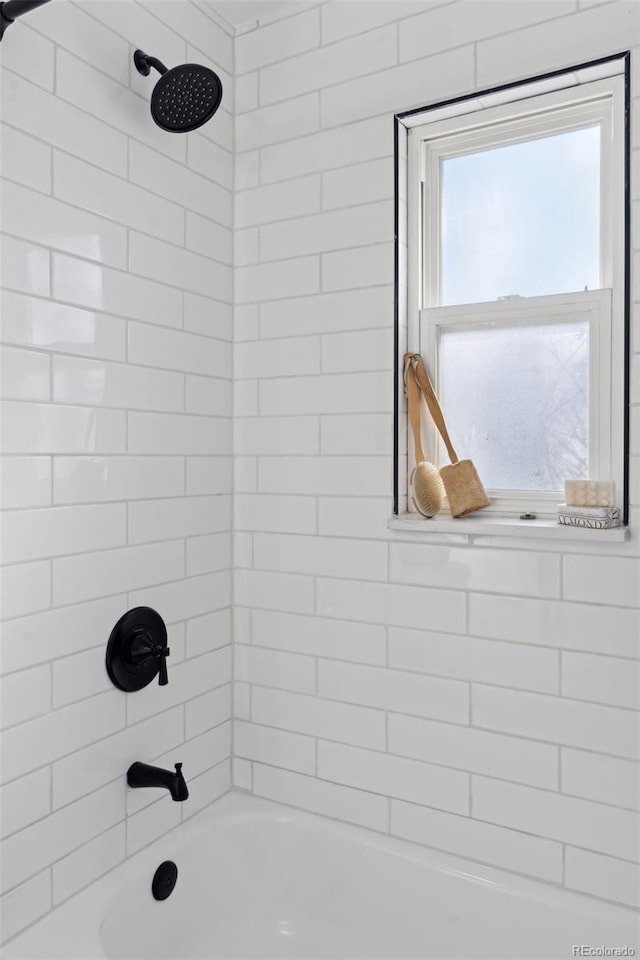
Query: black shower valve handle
x: 161, y: 653
x: 144, y: 649
x: 163, y: 678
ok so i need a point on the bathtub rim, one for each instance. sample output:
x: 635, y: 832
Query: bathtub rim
x: 86, y: 909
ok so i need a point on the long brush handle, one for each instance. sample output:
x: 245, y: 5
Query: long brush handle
x: 413, y: 402
x: 416, y: 363
x: 17, y: 8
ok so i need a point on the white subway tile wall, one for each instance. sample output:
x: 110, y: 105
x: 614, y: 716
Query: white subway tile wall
x: 116, y: 480
x: 474, y: 695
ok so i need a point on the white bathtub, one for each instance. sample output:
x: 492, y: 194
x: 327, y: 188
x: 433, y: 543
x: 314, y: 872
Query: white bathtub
x: 257, y: 879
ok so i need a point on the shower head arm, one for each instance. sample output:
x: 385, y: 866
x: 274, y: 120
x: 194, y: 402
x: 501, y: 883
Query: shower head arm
x: 143, y: 63
x: 12, y: 9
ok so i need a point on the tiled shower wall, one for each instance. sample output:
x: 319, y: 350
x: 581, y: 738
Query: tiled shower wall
x: 471, y: 693
x: 116, y: 320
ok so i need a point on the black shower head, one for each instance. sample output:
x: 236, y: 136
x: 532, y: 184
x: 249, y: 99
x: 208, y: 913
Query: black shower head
x: 183, y: 98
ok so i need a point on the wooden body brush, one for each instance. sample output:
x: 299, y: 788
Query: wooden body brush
x: 426, y: 483
x: 460, y: 480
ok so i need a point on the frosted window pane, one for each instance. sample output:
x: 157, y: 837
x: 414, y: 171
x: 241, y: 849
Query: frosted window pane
x: 522, y: 219
x: 516, y: 402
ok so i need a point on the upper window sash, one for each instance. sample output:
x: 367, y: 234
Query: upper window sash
x: 572, y: 108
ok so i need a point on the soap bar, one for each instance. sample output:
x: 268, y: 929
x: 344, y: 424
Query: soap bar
x: 593, y: 518
x: 589, y: 493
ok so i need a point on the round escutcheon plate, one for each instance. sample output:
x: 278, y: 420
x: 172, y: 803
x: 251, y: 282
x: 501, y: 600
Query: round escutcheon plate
x: 136, y: 649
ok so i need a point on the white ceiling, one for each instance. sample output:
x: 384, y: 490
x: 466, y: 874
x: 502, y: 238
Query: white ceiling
x: 237, y: 11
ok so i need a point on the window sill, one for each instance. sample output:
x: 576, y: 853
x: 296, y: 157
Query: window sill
x: 547, y: 529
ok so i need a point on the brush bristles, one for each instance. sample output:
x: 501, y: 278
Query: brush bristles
x: 428, y: 489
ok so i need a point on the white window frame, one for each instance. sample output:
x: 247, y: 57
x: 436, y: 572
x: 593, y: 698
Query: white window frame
x: 581, y: 102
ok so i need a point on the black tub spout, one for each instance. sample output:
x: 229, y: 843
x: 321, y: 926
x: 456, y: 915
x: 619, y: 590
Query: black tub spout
x: 144, y: 775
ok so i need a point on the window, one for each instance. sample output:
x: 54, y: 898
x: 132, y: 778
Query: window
x: 515, y: 254
x: 517, y: 383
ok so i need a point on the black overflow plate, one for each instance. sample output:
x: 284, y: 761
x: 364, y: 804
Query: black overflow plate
x: 164, y: 880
